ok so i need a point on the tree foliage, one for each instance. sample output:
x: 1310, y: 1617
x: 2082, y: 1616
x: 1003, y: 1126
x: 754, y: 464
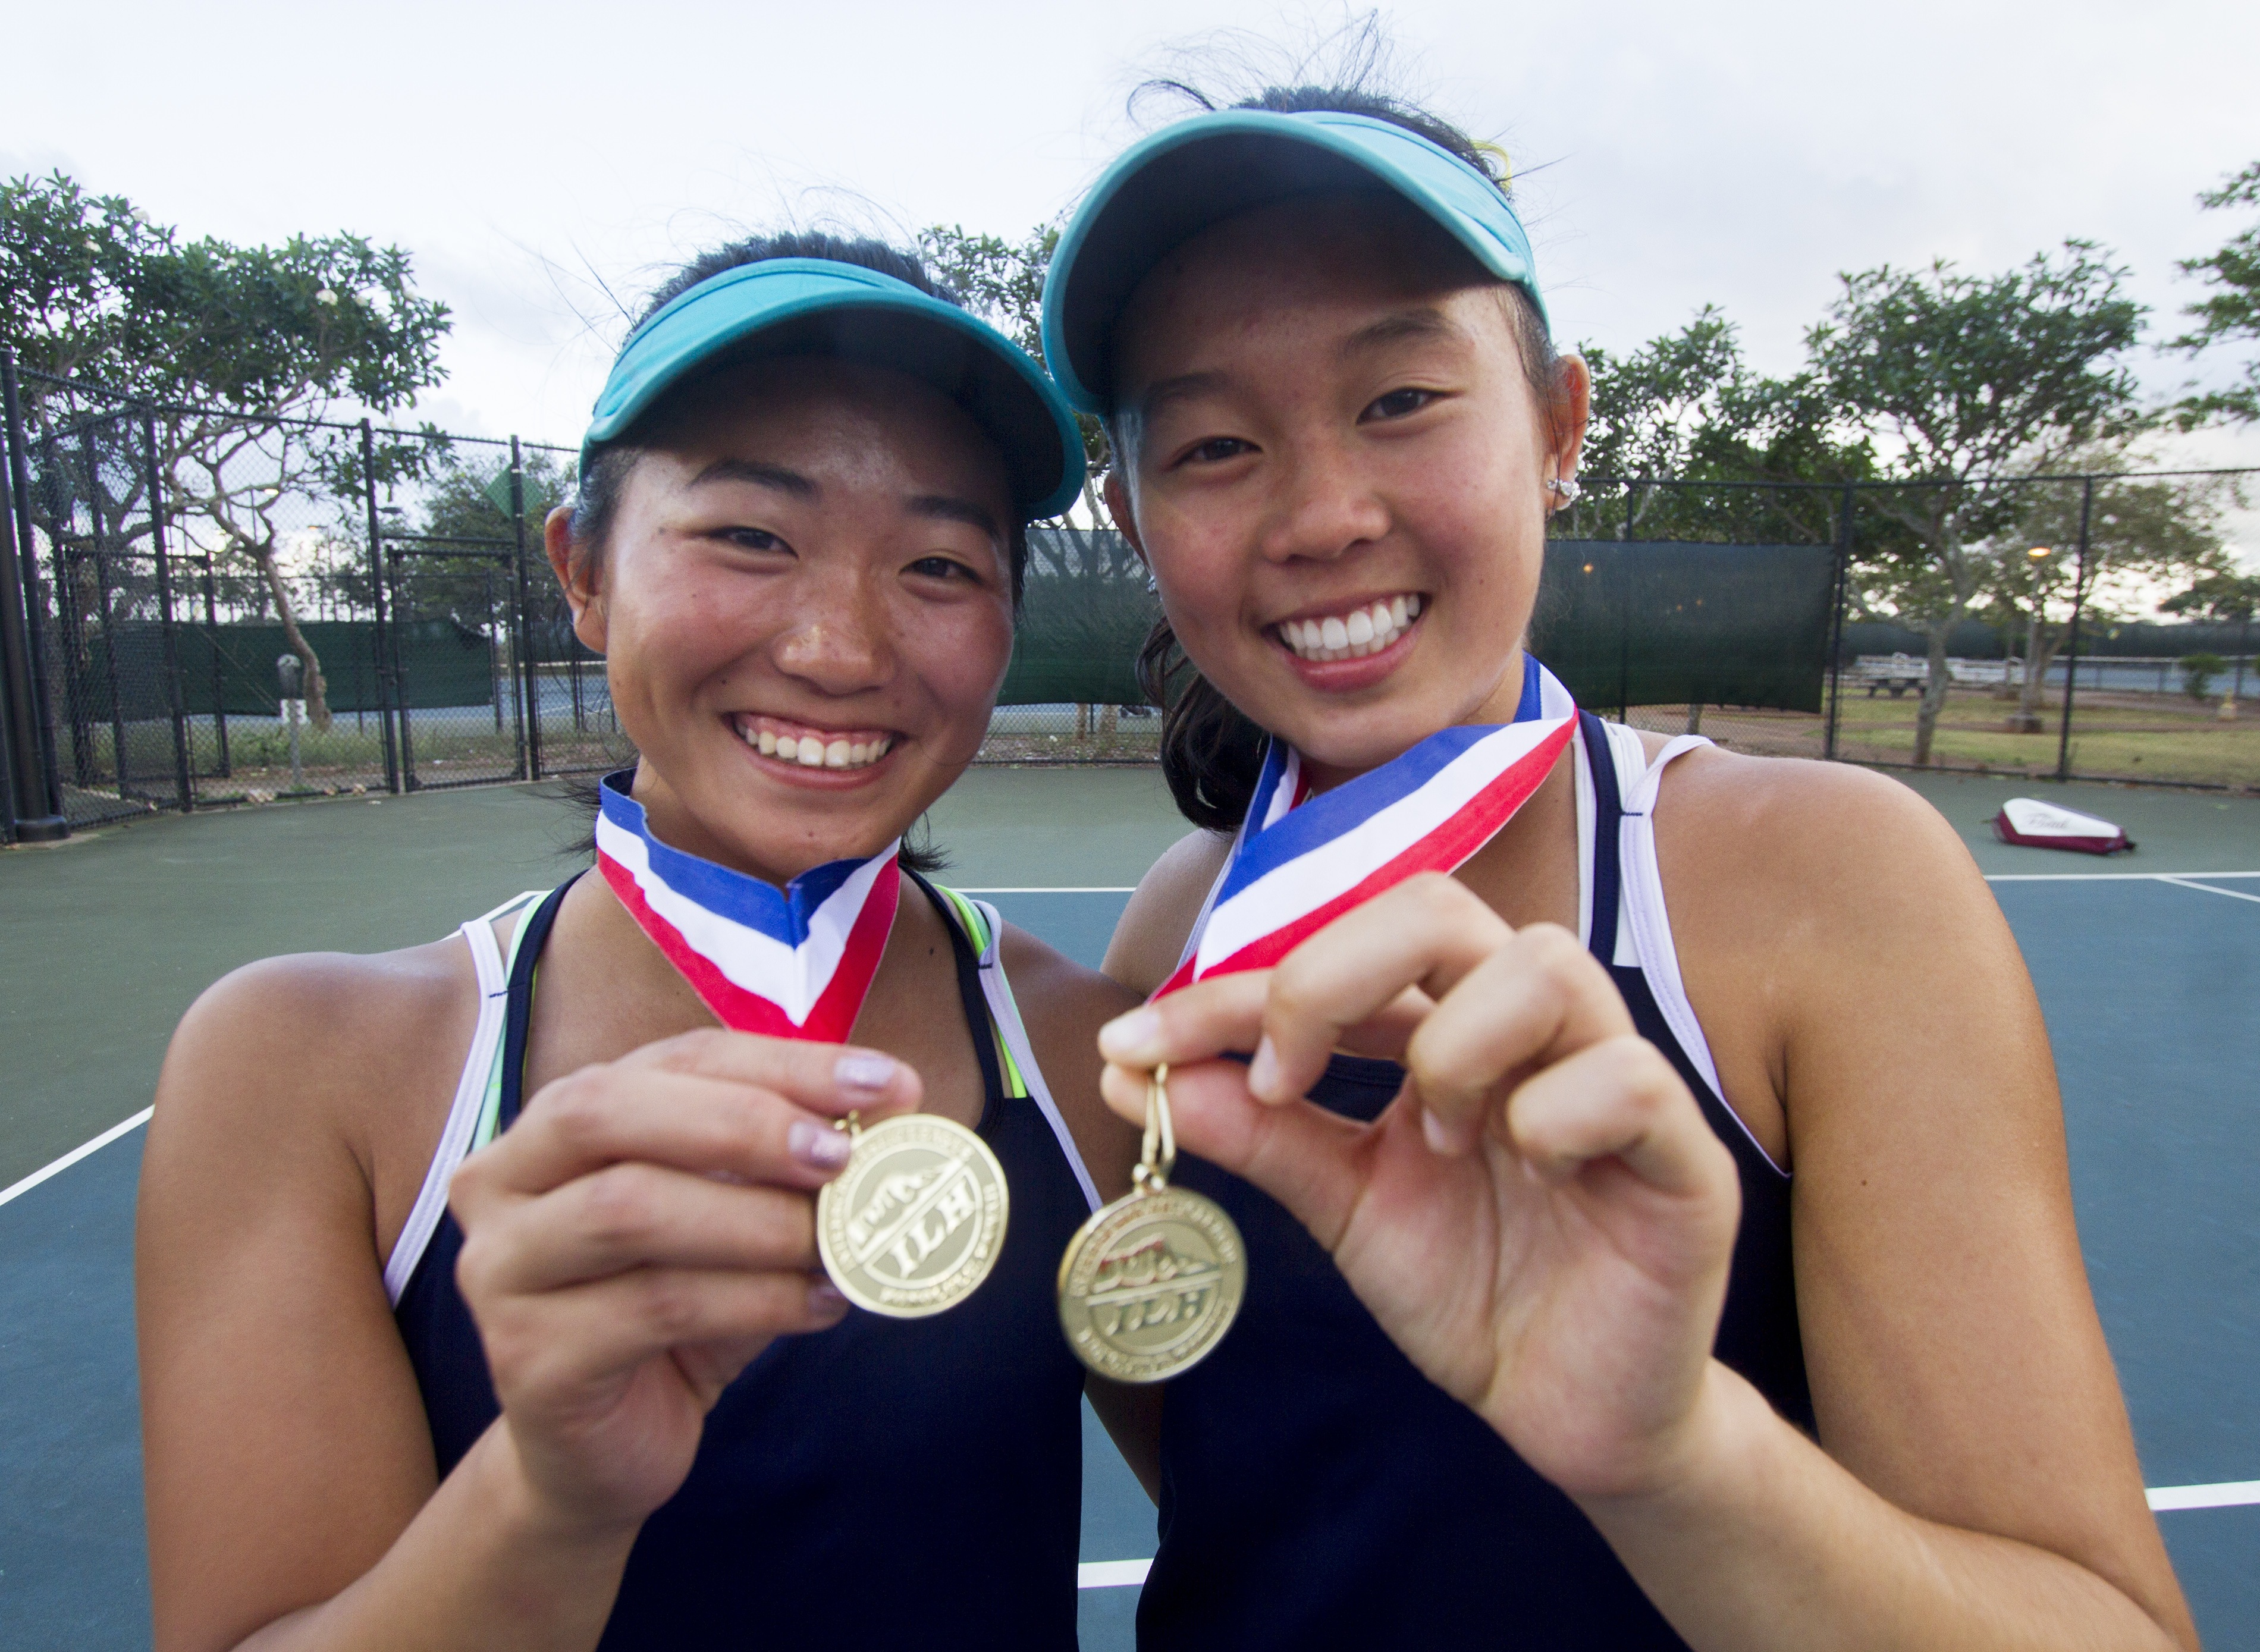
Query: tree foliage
x: 238, y: 353
x: 1960, y: 378
x: 2231, y: 314
x: 1002, y: 282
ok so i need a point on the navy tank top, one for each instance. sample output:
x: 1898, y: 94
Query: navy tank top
x: 1318, y: 1491
x: 929, y: 1467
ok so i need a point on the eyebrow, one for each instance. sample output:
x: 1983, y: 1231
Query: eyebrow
x: 948, y: 508
x: 761, y: 476
x: 1184, y: 387
x: 1392, y: 329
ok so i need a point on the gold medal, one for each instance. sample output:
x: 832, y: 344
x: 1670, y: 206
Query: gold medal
x: 915, y: 1222
x: 1150, y: 1284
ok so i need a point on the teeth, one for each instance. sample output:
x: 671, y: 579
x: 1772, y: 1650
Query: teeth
x: 813, y: 751
x: 1354, y: 635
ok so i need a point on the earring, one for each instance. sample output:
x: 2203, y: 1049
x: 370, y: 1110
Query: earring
x: 1564, y: 488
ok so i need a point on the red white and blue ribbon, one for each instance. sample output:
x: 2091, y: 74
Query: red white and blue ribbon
x: 792, y: 963
x: 1299, y: 865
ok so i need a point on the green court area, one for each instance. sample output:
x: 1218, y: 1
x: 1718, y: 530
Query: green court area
x: 110, y: 935
x: 2145, y: 965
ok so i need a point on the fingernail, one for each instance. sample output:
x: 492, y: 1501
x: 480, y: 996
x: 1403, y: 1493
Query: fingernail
x: 1263, y: 1070
x: 819, y: 1147
x: 1129, y: 1038
x: 864, y: 1071
x: 824, y: 1297
x: 1433, y: 1132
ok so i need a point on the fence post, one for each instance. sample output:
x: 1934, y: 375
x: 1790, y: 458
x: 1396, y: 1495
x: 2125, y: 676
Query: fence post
x: 99, y: 516
x: 38, y: 807
x: 2072, y: 646
x: 387, y: 676
x: 1624, y: 608
x: 1836, y: 622
x: 530, y: 759
x: 219, y: 669
x: 173, y: 696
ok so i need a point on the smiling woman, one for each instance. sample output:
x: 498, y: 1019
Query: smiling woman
x: 525, y: 1285
x: 1621, y: 1271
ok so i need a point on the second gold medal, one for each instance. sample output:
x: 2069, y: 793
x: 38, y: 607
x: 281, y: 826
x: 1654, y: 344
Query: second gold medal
x: 1150, y: 1284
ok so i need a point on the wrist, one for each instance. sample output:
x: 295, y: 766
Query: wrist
x: 531, y: 1517
x: 1708, y: 1458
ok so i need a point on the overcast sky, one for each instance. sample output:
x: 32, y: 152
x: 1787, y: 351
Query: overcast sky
x: 1668, y: 155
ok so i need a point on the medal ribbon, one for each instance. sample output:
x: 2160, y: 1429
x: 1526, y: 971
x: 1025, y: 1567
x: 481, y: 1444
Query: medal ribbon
x: 1296, y: 866
x: 792, y: 963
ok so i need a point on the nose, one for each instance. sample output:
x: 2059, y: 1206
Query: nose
x: 837, y: 640
x: 1323, y: 506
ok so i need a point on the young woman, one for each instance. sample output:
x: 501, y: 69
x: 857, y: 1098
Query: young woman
x: 591, y: 1386
x: 1544, y: 1343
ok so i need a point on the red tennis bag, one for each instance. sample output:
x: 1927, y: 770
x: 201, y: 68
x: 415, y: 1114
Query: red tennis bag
x: 2044, y: 826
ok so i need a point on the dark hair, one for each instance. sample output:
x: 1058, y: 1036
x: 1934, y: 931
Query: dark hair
x: 596, y: 499
x: 1210, y: 752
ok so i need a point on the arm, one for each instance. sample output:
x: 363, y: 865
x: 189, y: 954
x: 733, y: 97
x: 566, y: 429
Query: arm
x: 1543, y: 1138
x: 616, y: 1283
x: 1152, y: 930
x: 1064, y: 1005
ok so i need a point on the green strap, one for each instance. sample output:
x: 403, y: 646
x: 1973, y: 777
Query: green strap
x: 976, y: 929
x: 491, y: 1109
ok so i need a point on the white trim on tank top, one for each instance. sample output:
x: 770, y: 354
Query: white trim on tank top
x: 470, y: 1096
x: 1644, y: 939
x: 1005, y: 1011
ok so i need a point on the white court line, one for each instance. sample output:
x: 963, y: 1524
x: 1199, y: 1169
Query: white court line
x: 2106, y: 877
x: 77, y: 1154
x: 1110, y: 1573
x: 2192, y: 883
x: 2228, y: 1494
x: 1078, y: 889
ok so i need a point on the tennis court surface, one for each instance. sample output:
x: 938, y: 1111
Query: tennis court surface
x: 2149, y: 968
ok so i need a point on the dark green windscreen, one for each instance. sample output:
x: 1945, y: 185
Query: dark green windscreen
x: 1621, y: 622
x: 1669, y: 623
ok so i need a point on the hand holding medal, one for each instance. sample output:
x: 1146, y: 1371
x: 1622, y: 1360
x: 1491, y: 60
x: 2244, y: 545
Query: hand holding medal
x: 915, y: 1220
x: 1541, y: 1221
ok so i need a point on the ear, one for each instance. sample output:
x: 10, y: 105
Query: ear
x: 1119, y: 506
x: 1568, y: 413
x: 580, y: 576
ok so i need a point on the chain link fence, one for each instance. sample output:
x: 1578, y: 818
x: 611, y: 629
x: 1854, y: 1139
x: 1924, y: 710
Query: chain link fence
x: 211, y: 610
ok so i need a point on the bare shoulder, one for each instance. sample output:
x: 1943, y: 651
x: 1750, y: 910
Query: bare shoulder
x: 1153, y: 927
x: 334, y: 1063
x: 1064, y: 1005
x: 1817, y: 836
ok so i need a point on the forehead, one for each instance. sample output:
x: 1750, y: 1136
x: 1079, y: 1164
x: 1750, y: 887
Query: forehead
x: 836, y: 418
x: 1349, y: 253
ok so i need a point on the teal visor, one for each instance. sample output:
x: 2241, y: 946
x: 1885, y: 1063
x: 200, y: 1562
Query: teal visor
x: 1184, y: 178
x: 813, y: 307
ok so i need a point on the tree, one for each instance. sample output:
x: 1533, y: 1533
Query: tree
x: 1685, y: 408
x: 1965, y: 377
x: 2139, y: 532
x: 2233, y: 312
x: 2222, y: 592
x: 1002, y: 282
x: 234, y: 352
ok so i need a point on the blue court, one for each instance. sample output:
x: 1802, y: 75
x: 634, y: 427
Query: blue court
x: 2149, y: 978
